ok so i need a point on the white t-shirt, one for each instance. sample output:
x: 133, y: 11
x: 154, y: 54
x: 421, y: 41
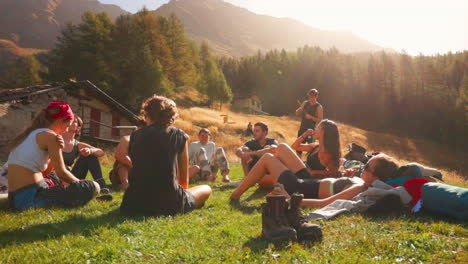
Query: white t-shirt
x: 194, y: 148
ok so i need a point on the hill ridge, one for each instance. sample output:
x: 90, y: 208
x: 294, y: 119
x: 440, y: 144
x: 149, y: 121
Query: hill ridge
x: 37, y: 23
x: 236, y: 31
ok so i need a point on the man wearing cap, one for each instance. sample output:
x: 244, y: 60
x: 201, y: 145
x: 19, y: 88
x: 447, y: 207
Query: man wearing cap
x: 205, y: 159
x: 311, y: 112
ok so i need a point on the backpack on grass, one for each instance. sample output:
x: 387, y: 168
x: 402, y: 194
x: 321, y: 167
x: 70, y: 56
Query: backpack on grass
x: 445, y: 199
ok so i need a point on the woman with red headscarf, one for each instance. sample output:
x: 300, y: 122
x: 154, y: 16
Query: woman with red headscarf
x: 29, y: 156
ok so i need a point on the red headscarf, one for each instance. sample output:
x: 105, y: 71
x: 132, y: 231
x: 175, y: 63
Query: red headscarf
x: 65, y: 112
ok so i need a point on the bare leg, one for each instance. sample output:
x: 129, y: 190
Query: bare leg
x: 266, y: 182
x: 244, y: 162
x: 245, y: 167
x: 267, y: 164
x: 287, y: 156
x: 193, y: 170
x: 123, y: 175
x: 200, y: 193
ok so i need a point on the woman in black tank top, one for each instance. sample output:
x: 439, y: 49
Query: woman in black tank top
x: 158, y: 180
x: 313, y: 161
x: 80, y: 157
x: 323, y: 158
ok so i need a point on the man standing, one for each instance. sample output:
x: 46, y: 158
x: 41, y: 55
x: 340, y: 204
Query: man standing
x: 311, y: 112
x: 205, y: 159
x: 253, y: 149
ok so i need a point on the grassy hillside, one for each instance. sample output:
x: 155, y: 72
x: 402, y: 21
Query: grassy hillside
x: 220, y: 233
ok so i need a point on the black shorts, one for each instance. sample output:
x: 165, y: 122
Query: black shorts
x: 301, y: 182
x: 139, y: 201
x: 40, y: 195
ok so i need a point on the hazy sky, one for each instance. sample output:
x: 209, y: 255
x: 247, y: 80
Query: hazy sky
x: 427, y: 26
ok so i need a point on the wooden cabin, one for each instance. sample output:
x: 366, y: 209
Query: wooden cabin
x: 104, y: 118
x: 249, y: 104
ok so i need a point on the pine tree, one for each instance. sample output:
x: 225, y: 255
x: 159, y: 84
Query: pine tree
x: 213, y: 82
x: 30, y: 74
x: 83, y: 51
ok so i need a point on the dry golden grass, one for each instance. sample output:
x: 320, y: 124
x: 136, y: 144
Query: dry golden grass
x: 231, y: 136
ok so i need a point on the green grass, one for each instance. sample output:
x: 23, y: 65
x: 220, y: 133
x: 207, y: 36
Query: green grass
x: 218, y: 233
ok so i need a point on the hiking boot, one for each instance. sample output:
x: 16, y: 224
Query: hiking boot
x: 105, y: 191
x: 102, y: 183
x: 304, y: 229
x: 275, y: 225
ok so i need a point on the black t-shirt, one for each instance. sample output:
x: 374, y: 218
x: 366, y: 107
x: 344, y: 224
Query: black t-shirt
x: 254, y: 145
x: 154, y: 189
x: 308, y: 123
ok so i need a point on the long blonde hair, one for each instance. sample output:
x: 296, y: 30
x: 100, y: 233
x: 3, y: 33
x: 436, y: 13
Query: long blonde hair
x: 41, y: 120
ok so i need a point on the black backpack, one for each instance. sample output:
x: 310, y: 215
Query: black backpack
x: 356, y: 152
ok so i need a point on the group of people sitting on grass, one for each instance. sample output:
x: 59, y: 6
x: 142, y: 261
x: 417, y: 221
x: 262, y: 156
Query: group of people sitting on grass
x: 155, y: 164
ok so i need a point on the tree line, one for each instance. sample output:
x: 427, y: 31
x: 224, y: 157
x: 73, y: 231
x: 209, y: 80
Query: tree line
x: 142, y: 54
x: 419, y: 96
x: 132, y: 58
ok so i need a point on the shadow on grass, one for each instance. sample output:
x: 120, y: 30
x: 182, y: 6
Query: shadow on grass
x: 73, y: 225
x: 259, y: 244
x: 224, y: 187
x: 259, y: 193
x: 423, y: 216
x: 247, y: 209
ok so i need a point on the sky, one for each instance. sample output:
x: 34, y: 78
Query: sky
x: 414, y: 26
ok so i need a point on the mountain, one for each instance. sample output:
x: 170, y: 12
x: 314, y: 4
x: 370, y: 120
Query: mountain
x: 37, y: 23
x: 230, y: 30
x: 235, y: 31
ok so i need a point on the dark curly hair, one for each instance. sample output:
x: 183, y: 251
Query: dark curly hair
x: 160, y: 110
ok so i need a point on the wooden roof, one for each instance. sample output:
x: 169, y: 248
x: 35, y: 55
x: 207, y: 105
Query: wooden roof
x: 20, y: 93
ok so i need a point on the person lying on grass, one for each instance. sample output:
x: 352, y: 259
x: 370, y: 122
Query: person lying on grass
x: 29, y: 156
x: 317, y: 192
x: 323, y: 158
x: 158, y: 180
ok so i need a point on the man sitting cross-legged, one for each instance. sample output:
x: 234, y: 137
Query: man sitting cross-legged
x: 206, y: 159
x: 253, y: 149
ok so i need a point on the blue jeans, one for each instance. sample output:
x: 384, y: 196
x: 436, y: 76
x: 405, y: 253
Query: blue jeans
x: 40, y: 195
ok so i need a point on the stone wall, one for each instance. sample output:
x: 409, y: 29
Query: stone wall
x: 16, y: 116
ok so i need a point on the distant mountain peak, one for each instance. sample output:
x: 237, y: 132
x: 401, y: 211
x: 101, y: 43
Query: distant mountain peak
x: 235, y: 31
x: 37, y: 23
